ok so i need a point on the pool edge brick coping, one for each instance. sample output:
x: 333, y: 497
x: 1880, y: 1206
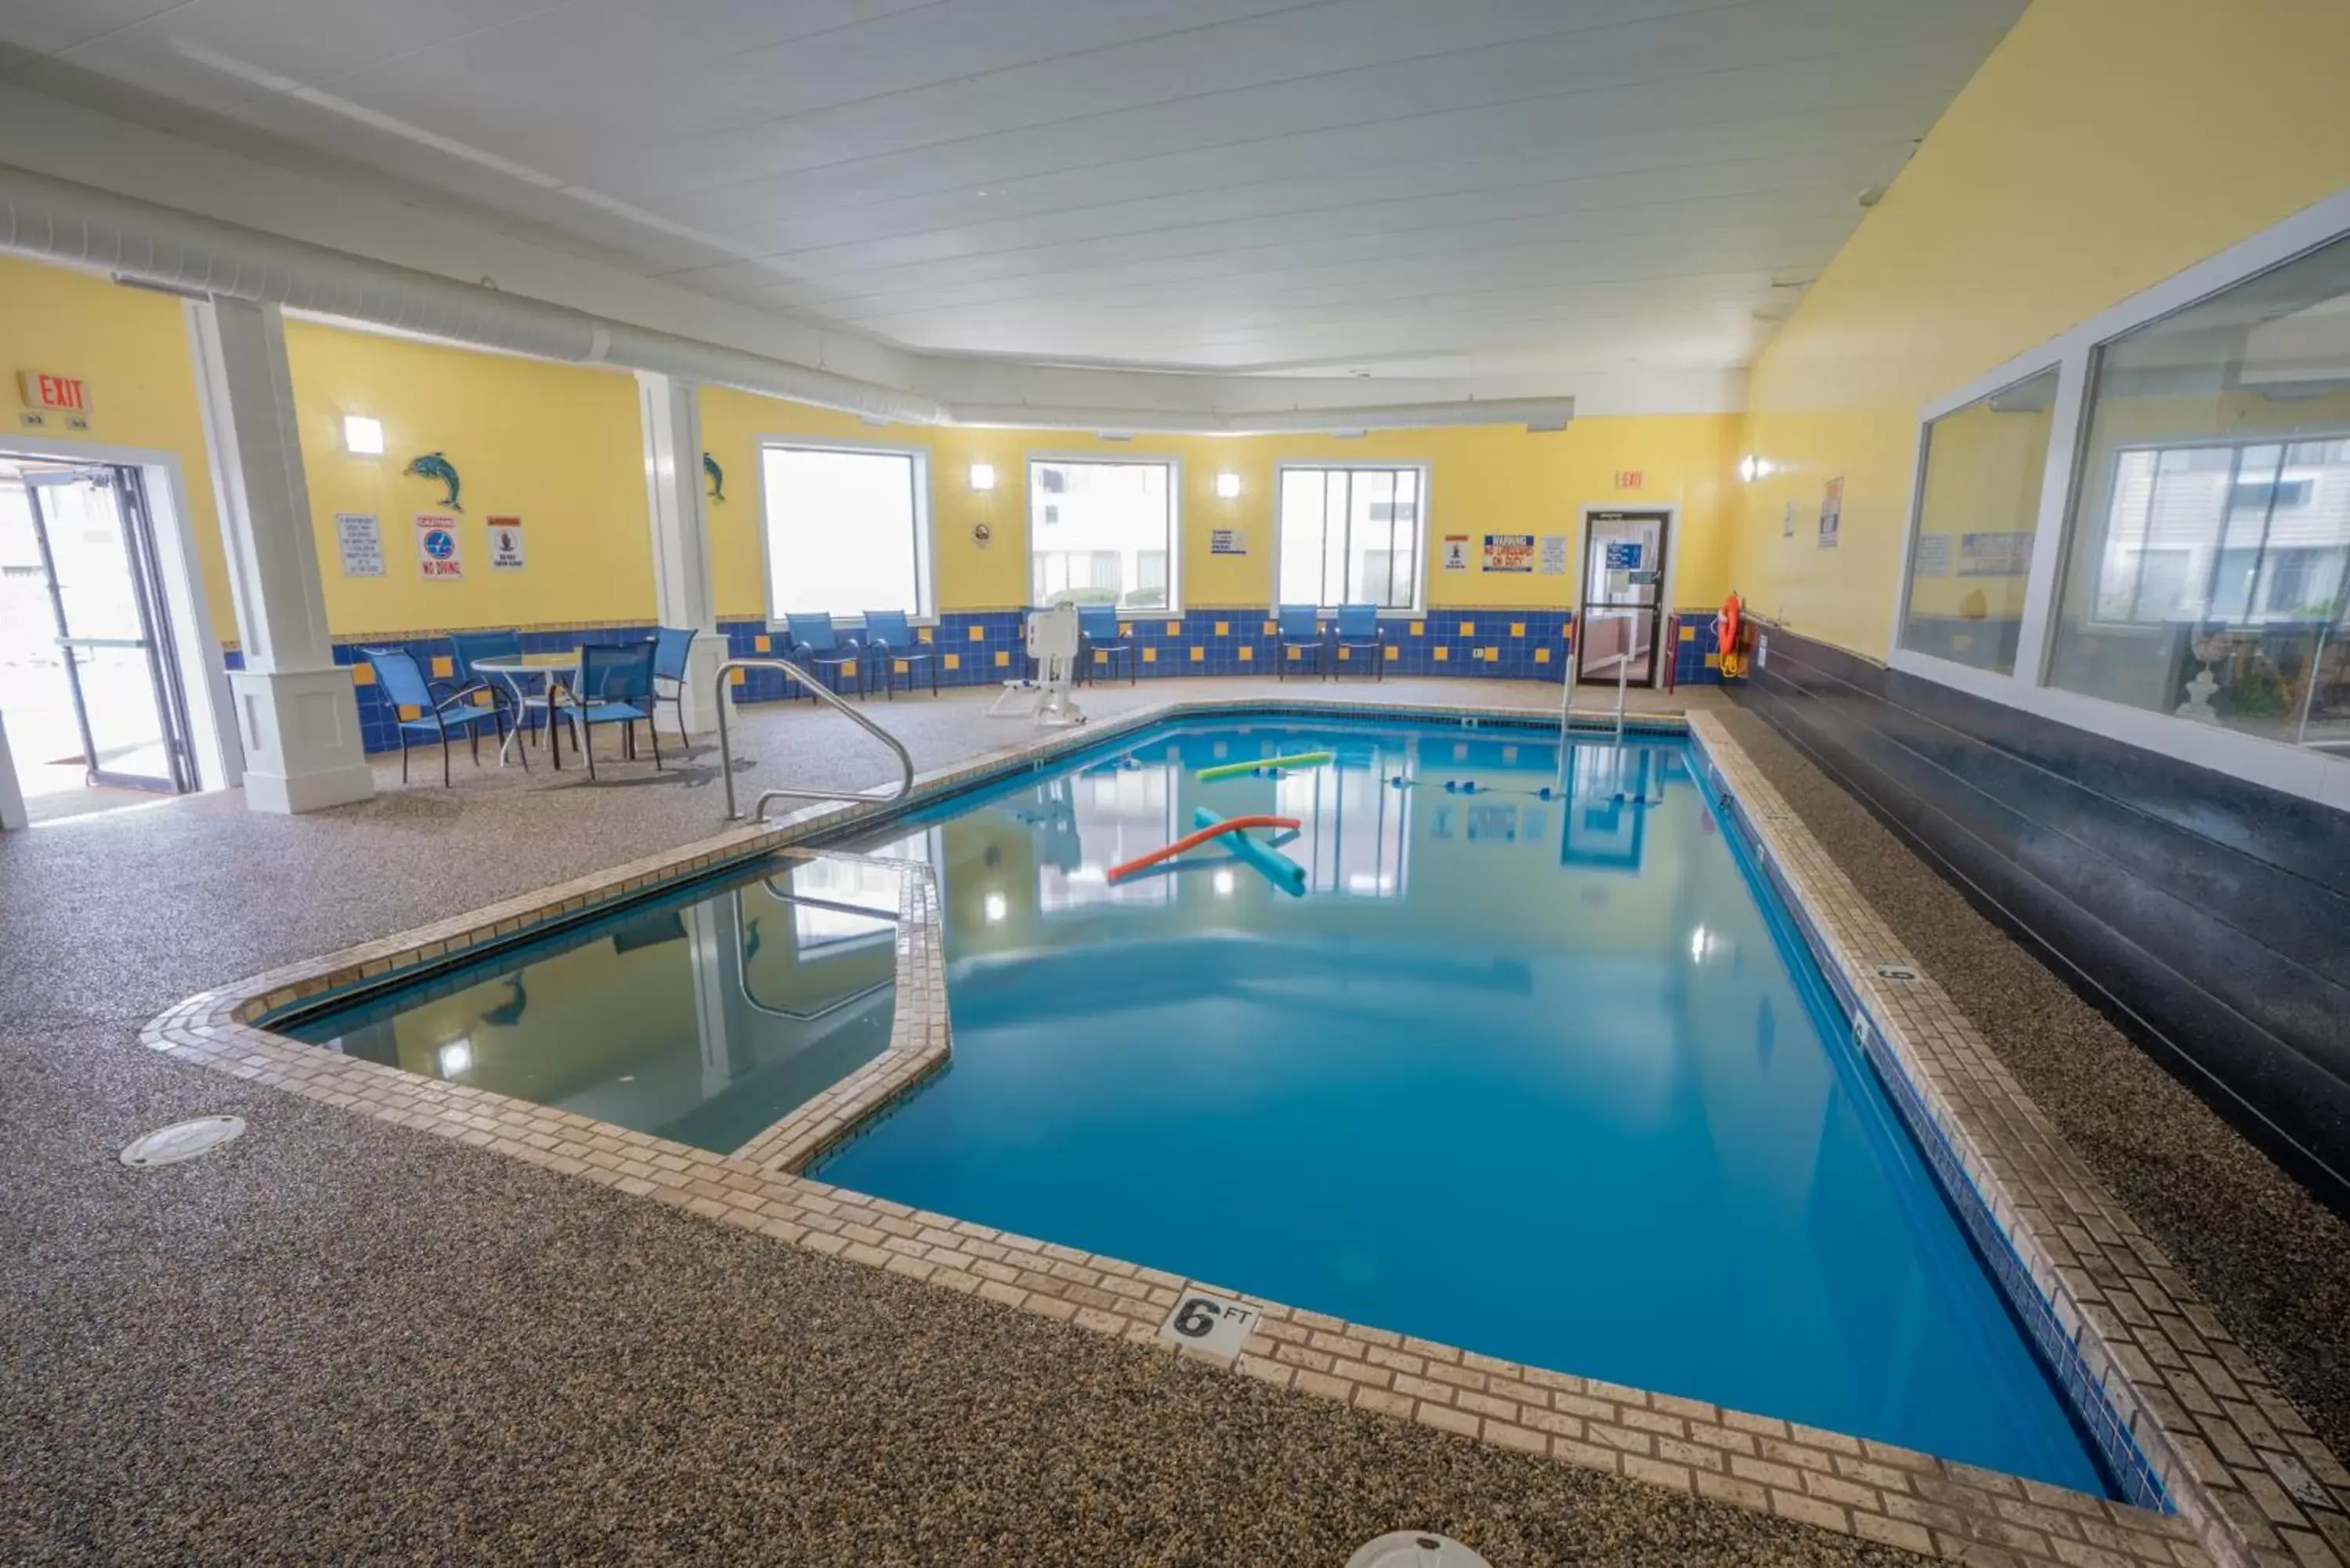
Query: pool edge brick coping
x: 2252, y: 1485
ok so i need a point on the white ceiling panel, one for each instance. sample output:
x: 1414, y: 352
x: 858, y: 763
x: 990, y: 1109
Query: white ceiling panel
x: 1274, y: 185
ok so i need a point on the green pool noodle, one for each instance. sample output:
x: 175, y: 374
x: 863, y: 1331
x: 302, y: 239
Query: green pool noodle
x: 1226, y: 769
x: 1276, y: 867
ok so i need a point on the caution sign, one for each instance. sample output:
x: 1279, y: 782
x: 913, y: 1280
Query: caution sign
x: 438, y: 557
x: 506, y: 544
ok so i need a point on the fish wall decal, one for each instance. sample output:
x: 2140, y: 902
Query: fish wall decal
x: 433, y: 465
x: 717, y: 477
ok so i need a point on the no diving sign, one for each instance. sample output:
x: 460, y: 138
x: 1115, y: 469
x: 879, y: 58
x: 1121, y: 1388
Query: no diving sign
x: 1217, y: 1325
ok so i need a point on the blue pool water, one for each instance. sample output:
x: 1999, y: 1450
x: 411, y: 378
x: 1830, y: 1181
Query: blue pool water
x: 1536, y: 1077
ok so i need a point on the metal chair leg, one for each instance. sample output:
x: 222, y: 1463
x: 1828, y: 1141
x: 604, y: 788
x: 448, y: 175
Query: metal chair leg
x: 652, y: 730
x: 403, y: 756
x: 445, y: 782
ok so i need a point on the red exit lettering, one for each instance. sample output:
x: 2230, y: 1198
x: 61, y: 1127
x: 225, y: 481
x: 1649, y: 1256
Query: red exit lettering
x: 43, y: 390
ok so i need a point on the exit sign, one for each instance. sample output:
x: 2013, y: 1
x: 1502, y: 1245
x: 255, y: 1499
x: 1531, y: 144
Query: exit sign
x: 1631, y: 479
x: 69, y: 394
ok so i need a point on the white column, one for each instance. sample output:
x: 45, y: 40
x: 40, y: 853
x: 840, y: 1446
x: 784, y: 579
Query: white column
x: 671, y: 413
x: 294, y: 707
x: 12, y: 798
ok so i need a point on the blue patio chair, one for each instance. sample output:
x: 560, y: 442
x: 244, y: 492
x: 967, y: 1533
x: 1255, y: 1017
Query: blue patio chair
x: 889, y: 638
x: 823, y: 652
x: 1299, y: 627
x: 616, y: 687
x: 402, y: 682
x: 1358, y: 628
x: 465, y: 647
x: 672, y: 646
x: 1100, y: 643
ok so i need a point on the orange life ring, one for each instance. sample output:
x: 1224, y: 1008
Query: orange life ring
x: 1727, y: 629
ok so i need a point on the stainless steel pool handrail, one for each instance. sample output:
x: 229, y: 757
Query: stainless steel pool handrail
x: 822, y: 693
x: 1623, y: 662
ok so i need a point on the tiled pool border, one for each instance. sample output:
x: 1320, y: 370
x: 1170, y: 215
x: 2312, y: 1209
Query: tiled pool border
x: 2251, y: 1484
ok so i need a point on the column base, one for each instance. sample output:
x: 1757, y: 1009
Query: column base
x: 700, y: 683
x: 301, y: 734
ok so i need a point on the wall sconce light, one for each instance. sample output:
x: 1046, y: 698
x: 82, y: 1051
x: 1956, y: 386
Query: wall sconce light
x: 1751, y: 468
x: 983, y: 476
x: 362, y: 437
x: 1228, y: 486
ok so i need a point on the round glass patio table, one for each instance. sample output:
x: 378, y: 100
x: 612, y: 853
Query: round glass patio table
x: 542, y: 673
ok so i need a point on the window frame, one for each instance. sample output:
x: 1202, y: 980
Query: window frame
x: 1283, y: 467
x: 1172, y: 462
x: 926, y: 612
x: 2077, y: 353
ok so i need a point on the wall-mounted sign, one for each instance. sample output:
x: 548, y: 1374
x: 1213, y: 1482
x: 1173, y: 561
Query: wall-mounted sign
x: 1623, y: 554
x: 1931, y: 558
x: 361, y: 541
x: 1630, y: 478
x: 506, y: 544
x: 1832, y: 512
x: 1509, y: 552
x: 46, y: 390
x: 1554, y: 556
x: 1456, y: 552
x: 1228, y: 541
x: 1787, y: 522
x: 438, y: 557
x: 1994, y: 554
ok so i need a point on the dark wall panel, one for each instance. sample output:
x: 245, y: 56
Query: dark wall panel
x: 2211, y: 917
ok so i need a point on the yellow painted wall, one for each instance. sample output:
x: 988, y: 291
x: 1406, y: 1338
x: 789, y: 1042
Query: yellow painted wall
x: 132, y: 347
x: 556, y: 445
x: 2104, y: 145
x: 1488, y: 479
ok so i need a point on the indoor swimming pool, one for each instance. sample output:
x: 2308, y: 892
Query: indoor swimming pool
x: 1526, y: 1060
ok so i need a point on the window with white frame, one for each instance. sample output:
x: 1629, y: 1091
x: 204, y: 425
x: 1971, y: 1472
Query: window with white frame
x: 847, y: 530
x: 1977, y: 511
x: 1350, y: 535
x: 1102, y: 531
x: 2207, y: 565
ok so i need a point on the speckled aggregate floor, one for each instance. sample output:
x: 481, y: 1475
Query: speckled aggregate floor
x: 341, y: 1342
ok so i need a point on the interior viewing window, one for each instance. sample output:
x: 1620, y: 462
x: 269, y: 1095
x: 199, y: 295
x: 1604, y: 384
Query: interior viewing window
x: 1350, y: 536
x: 847, y: 530
x: 2208, y: 543
x: 1102, y: 533
x: 1978, y: 509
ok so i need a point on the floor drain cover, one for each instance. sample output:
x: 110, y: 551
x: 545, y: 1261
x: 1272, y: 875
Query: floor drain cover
x: 1415, y: 1549
x: 1896, y: 971
x: 182, y: 1140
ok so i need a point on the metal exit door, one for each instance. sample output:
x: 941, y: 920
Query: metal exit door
x: 105, y: 595
x: 1622, y: 611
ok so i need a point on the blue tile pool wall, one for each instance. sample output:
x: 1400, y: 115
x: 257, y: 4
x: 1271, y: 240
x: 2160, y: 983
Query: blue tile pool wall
x: 2117, y: 1447
x: 1508, y: 645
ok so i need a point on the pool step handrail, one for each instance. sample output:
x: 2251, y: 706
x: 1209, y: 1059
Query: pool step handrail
x: 823, y: 693
x: 1622, y: 660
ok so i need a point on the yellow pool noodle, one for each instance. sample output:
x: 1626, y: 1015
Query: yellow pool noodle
x: 1301, y: 760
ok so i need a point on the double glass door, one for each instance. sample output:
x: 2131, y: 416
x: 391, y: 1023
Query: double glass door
x: 1623, y: 597
x: 98, y: 552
